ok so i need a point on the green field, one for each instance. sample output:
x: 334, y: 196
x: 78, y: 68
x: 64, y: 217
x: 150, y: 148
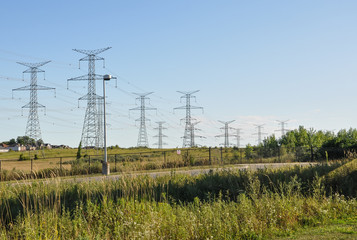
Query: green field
x: 292, y: 203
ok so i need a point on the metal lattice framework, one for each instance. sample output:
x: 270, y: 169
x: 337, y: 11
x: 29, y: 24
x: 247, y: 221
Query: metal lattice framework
x: 259, y: 133
x: 92, y: 133
x: 189, y: 135
x: 33, y: 129
x: 226, y: 132
x: 160, y: 135
x: 283, y: 130
x: 238, y: 136
x: 143, y: 137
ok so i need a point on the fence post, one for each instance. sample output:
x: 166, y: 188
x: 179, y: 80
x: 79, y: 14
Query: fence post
x: 165, y: 159
x: 115, y: 163
x: 89, y: 163
x: 222, y: 155
x: 209, y: 156
x: 31, y: 165
x: 60, y: 165
x: 0, y: 171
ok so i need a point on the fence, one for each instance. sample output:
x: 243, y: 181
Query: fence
x: 161, y: 159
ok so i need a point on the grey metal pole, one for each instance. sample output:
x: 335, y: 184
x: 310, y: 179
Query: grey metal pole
x: 105, y: 167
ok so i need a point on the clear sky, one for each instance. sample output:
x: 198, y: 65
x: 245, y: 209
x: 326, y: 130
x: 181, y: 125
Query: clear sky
x: 254, y: 62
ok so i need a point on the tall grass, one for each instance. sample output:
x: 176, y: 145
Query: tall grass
x: 218, y: 205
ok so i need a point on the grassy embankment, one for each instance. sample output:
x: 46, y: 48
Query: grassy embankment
x: 278, y: 203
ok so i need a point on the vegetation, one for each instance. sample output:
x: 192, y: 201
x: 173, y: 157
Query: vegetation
x: 295, y: 146
x: 313, y: 145
x: 219, y: 205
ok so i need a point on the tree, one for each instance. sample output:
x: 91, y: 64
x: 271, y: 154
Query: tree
x: 39, y: 142
x: 79, y: 150
x: 26, y: 140
x: 249, y: 151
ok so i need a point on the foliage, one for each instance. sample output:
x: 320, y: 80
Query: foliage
x: 79, y: 155
x: 219, y: 205
x: 25, y: 140
x: 23, y: 157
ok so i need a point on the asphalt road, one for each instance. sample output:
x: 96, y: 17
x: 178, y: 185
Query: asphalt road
x: 192, y: 172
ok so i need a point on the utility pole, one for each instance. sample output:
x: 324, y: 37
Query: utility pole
x: 143, y: 137
x: 238, y: 136
x: 260, y: 133
x: 226, y: 132
x: 160, y: 135
x: 33, y: 123
x: 92, y: 133
x: 189, y: 136
x: 283, y: 130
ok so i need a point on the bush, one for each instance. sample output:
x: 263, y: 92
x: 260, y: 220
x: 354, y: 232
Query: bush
x: 22, y: 157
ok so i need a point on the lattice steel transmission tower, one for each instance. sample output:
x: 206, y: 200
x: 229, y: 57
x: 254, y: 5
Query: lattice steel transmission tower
x: 238, y: 136
x: 259, y: 133
x: 143, y: 137
x: 92, y: 133
x: 189, y: 135
x: 226, y: 132
x: 283, y: 130
x: 33, y: 129
x: 160, y: 135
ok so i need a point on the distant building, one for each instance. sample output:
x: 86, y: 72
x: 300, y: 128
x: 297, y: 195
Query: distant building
x: 46, y: 146
x: 17, y: 148
x: 60, y: 146
x: 3, y: 148
x: 30, y: 148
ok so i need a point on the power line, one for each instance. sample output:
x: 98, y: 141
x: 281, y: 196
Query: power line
x: 33, y: 129
x: 189, y: 136
x: 238, y: 136
x: 259, y: 133
x: 160, y: 134
x: 92, y: 133
x: 142, y: 138
x: 226, y: 132
x: 283, y: 130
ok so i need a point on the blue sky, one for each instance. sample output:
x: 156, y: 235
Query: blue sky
x: 254, y: 62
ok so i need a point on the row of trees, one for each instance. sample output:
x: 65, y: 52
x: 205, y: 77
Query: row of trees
x: 318, y: 144
x: 24, y: 140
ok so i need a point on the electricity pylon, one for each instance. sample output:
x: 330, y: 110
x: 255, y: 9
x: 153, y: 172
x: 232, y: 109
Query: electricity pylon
x: 226, y: 132
x: 238, y: 136
x: 160, y: 135
x: 189, y: 136
x: 33, y: 129
x: 259, y: 133
x: 143, y: 137
x: 283, y: 130
x: 92, y: 133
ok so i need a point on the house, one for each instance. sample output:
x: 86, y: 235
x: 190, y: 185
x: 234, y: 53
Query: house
x: 46, y: 146
x: 17, y: 148
x: 61, y: 146
x: 30, y: 148
x: 3, y: 149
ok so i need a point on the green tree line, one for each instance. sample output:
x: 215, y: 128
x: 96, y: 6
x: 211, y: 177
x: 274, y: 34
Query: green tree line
x: 315, y: 143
